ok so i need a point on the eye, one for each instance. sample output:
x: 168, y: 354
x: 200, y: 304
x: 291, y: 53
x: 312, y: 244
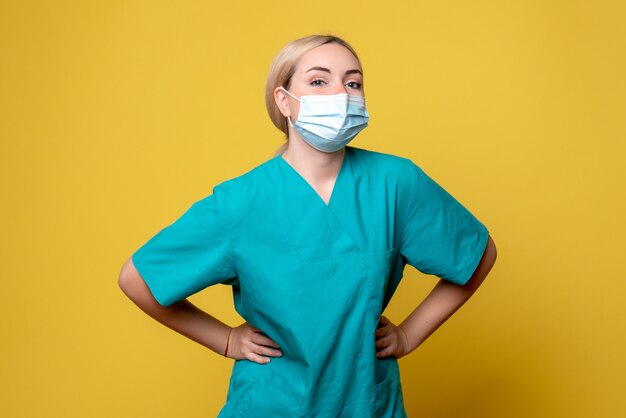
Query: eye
x: 317, y: 82
x: 354, y: 85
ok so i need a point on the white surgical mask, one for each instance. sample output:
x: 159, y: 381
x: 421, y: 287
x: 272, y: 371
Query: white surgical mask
x: 329, y: 122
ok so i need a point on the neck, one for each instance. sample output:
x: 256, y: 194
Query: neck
x: 311, y: 163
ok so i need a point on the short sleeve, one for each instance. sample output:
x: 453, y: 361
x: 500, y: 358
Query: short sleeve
x: 440, y: 236
x: 190, y: 254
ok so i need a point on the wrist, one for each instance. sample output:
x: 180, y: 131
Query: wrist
x: 228, y: 342
x: 405, y: 338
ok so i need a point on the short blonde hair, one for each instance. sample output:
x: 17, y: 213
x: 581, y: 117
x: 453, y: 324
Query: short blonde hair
x: 283, y: 68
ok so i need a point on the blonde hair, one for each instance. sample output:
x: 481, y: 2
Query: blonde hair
x: 283, y: 68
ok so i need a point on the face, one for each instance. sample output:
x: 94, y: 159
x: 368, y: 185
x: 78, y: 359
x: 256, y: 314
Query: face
x: 327, y: 69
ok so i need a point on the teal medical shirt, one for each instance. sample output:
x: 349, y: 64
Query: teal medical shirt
x: 315, y: 277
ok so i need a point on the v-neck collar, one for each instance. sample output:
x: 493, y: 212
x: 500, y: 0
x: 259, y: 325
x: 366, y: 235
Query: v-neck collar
x: 314, y: 228
x: 338, y: 179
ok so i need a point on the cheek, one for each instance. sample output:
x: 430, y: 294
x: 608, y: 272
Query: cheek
x: 294, y: 108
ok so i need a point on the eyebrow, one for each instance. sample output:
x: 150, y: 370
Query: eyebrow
x: 316, y: 68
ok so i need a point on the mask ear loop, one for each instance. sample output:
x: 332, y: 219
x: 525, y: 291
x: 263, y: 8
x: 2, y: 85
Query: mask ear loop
x: 285, y: 90
x: 288, y: 118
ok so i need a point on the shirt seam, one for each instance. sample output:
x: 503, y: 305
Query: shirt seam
x: 229, y: 232
x: 409, y: 215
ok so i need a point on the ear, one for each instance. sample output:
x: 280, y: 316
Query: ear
x: 281, y: 99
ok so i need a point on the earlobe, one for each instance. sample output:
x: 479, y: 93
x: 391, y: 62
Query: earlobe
x: 281, y: 101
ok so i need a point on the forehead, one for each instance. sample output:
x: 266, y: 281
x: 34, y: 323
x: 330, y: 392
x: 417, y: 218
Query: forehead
x: 333, y: 56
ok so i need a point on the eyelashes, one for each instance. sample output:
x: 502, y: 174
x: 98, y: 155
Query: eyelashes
x: 351, y: 84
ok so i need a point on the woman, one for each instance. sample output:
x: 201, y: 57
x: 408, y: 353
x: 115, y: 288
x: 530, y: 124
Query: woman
x: 314, y: 242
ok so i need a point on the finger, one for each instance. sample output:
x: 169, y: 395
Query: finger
x: 384, y: 353
x: 266, y: 351
x: 253, y: 328
x: 383, y: 331
x: 257, y: 358
x: 383, y: 320
x: 263, y: 340
x: 383, y: 342
x: 388, y: 326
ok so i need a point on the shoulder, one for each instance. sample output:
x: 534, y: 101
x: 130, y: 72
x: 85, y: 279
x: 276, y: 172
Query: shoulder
x: 399, y: 177
x: 376, y: 160
x: 237, y: 191
x: 393, y: 168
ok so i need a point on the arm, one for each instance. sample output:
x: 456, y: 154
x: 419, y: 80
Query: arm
x: 185, y: 318
x: 443, y: 301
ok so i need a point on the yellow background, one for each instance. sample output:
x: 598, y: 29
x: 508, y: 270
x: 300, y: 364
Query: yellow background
x: 115, y: 116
